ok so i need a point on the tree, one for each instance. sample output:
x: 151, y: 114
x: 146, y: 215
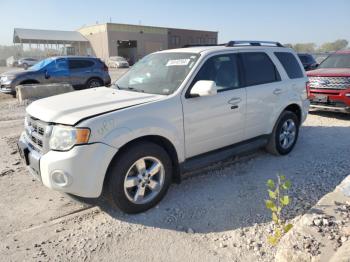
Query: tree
x: 305, y: 47
x: 334, y: 46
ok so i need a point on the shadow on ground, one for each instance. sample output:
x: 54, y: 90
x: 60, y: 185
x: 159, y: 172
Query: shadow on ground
x: 230, y: 196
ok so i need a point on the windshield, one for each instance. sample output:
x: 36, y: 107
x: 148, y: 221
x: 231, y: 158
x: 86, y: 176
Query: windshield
x: 41, y: 64
x: 336, y: 61
x: 159, y: 73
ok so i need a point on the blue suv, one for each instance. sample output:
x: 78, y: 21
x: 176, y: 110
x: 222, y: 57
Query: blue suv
x: 80, y: 72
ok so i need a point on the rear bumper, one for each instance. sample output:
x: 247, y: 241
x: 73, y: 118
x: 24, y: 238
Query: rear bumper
x: 330, y: 100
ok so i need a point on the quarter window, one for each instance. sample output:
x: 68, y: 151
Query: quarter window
x: 258, y: 69
x: 223, y: 70
x: 76, y: 63
x: 290, y: 64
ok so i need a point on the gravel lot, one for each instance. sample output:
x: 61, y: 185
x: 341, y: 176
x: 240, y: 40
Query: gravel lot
x: 215, y: 214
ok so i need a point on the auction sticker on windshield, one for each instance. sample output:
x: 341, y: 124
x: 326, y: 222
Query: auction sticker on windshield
x: 178, y: 62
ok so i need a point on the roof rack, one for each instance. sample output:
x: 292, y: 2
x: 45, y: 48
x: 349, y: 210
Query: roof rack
x: 253, y: 43
x: 198, y: 45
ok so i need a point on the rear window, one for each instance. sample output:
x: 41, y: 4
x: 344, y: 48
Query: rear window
x: 290, y: 64
x: 76, y: 63
x: 259, y: 69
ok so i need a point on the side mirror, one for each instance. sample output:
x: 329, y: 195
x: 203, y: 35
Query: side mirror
x: 204, y: 88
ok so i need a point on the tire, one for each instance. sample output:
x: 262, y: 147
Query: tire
x: 94, y: 82
x: 284, y: 136
x: 125, y: 195
x: 25, y: 66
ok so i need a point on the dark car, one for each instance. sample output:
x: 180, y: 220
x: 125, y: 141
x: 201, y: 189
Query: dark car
x: 80, y: 72
x: 308, y: 61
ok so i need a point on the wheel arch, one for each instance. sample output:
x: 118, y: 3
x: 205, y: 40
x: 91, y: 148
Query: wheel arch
x: 156, y: 139
x: 29, y: 81
x: 296, y: 109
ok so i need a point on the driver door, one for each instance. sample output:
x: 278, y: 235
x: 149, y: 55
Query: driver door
x: 57, y: 71
x: 213, y: 122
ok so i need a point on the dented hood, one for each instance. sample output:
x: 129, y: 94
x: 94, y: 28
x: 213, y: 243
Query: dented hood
x: 72, y: 107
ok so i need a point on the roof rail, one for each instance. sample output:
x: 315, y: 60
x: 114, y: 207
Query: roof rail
x: 195, y: 45
x: 253, y: 43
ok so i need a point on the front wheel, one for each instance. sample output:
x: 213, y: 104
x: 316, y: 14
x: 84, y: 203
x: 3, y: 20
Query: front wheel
x: 284, y: 135
x: 139, y: 178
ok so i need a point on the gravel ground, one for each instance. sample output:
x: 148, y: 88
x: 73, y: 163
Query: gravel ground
x: 215, y: 214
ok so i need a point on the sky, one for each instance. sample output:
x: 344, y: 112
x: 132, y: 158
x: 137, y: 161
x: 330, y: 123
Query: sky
x: 293, y: 21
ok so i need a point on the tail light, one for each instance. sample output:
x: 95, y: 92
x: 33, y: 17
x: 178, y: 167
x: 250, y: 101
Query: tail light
x: 105, y: 68
x: 307, y: 87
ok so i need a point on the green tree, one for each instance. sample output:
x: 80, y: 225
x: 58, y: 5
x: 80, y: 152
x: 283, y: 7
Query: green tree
x: 334, y: 46
x: 305, y: 47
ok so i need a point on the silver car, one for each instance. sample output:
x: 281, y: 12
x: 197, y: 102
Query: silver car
x: 117, y: 62
x: 27, y: 62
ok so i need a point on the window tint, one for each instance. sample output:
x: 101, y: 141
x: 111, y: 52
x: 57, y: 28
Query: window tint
x: 56, y: 66
x: 290, y: 64
x: 222, y: 69
x: 259, y: 69
x: 76, y: 63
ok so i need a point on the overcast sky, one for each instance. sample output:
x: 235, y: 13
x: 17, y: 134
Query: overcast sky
x: 285, y: 21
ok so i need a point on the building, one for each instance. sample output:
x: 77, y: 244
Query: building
x: 110, y: 39
x: 54, y: 41
x: 136, y: 41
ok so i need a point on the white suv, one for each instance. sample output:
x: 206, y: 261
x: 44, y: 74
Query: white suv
x: 174, y: 110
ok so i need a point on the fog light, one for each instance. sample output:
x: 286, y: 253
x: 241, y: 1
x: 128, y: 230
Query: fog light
x: 60, y: 178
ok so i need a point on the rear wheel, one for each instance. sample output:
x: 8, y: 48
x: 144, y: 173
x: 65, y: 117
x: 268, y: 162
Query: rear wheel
x: 94, y: 82
x: 284, y: 135
x: 139, y: 178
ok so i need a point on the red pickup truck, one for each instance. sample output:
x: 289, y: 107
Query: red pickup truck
x: 329, y: 84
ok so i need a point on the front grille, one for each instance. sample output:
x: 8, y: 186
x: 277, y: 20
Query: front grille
x: 37, y: 133
x: 336, y: 83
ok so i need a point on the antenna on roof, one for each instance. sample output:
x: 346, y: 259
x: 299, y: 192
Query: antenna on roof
x: 110, y: 19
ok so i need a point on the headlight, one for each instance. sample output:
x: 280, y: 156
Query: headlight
x: 65, y: 137
x: 7, y: 78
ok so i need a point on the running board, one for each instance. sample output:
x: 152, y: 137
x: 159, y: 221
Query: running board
x: 218, y: 155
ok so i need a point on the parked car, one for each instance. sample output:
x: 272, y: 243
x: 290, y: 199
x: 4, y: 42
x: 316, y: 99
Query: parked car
x: 329, y: 87
x: 26, y: 62
x: 81, y: 72
x: 308, y: 61
x: 117, y: 62
x: 175, y: 110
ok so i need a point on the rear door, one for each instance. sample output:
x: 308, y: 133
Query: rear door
x: 215, y: 121
x: 264, y: 90
x: 80, y: 71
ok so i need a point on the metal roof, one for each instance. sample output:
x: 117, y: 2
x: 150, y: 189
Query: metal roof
x: 21, y: 35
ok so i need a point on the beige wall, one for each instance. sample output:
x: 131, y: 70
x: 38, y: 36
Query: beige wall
x: 98, y: 38
x: 149, y: 39
x: 103, y: 38
x: 180, y: 37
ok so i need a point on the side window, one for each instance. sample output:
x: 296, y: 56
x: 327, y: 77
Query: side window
x: 59, y: 65
x: 290, y: 64
x: 221, y: 69
x: 77, y: 64
x: 259, y: 69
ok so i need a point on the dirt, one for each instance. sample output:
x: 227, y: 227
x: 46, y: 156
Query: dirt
x: 215, y: 214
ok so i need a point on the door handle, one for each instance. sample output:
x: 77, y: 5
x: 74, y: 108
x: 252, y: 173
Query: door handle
x: 277, y: 91
x: 235, y: 100
x: 234, y: 107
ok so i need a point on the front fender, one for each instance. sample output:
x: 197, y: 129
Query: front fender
x: 109, y: 131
